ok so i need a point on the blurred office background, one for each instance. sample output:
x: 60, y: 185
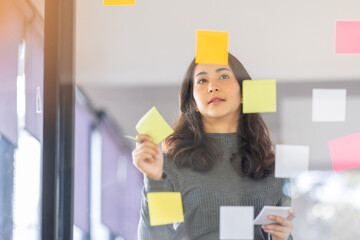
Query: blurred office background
x: 130, y: 58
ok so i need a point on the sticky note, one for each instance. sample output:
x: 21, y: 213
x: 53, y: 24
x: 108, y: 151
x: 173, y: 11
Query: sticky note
x: 154, y: 125
x: 118, y: 2
x: 347, y: 40
x: 262, y: 217
x: 345, y: 152
x: 236, y: 222
x: 165, y: 208
x: 212, y: 47
x: 291, y: 160
x: 328, y: 105
x: 259, y: 96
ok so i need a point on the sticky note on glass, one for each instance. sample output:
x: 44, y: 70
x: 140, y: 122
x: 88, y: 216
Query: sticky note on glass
x: 165, y: 208
x: 259, y: 96
x: 345, y: 152
x: 347, y: 37
x: 118, y: 2
x: 236, y: 222
x: 291, y: 160
x: 212, y: 47
x: 154, y: 125
x: 328, y: 105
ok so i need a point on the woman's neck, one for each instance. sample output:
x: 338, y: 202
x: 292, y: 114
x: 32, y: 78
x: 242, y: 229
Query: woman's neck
x: 220, y: 126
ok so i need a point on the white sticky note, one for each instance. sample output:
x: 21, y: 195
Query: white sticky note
x: 262, y: 217
x: 236, y: 222
x: 291, y: 160
x: 328, y: 105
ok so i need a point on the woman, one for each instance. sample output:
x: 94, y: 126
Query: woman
x: 216, y: 156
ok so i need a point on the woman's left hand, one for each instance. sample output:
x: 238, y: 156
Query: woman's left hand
x: 282, y: 231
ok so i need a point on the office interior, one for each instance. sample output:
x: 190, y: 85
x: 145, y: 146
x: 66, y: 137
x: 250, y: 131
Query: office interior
x: 126, y: 59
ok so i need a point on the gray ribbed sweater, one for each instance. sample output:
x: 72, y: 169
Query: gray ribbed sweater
x: 204, y: 192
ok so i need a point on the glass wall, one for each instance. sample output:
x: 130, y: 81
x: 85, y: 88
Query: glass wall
x: 134, y: 57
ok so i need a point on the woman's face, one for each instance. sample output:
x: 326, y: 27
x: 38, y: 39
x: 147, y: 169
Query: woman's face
x: 216, y: 91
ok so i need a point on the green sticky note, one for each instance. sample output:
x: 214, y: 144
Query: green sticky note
x: 165, y: 208
x: 259, y: 96
x: 154, y: 125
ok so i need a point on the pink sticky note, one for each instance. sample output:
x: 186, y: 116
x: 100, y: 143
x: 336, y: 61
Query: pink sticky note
x: 345, y: 152
x: 347, y: 37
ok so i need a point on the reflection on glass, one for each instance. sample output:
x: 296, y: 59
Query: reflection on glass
x: 27, y: 164
x: 98, y: 230
x: 329, y: 204
x: 27, y: 188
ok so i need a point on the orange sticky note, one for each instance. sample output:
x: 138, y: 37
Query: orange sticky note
x: 347, y: 37
x: 212, y: 47
x: 345, y: 152
x: 118, y: 2
x: 165, y: 208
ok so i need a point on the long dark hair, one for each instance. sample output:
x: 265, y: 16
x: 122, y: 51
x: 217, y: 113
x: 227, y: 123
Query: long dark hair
x: 189, y: 146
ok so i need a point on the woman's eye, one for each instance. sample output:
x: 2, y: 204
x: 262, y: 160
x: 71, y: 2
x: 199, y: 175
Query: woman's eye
x: 224, y: 76
x: 201, y: 81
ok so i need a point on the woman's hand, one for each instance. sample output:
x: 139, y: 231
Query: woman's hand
x: 282, y: 231
x: 148, y: 158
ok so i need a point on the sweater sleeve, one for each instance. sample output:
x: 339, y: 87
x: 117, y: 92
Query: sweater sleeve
x: 145, y: 230
x: 284, y: 199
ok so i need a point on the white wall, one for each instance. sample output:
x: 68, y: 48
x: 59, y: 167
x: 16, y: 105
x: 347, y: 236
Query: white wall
x: 154, y: 41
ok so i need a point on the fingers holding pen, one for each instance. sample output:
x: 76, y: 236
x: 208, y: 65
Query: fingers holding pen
x: 147, y: 151
x: 143, y: 138
x: 147, y: 157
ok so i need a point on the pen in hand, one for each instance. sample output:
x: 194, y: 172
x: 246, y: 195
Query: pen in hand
x: 133, y: 139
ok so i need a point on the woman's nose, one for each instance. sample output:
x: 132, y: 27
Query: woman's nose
x: 213, y: 87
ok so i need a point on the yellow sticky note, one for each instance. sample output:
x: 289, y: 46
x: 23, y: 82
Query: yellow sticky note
x: 118, y: 2
x: 154, y: 125
x: 165, y: 208
x: 259, y: 96
x: 212, y: 47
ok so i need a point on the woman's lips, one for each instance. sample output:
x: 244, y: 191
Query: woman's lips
x: 216, y: 100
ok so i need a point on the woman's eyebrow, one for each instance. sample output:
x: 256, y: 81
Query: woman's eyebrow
x: 220, y: 69
x: 201, y: 73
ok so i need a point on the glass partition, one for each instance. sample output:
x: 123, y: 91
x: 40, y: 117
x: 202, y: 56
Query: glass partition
x: 135, y: 57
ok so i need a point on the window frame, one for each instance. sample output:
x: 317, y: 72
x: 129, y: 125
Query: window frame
x: 58, y: 132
